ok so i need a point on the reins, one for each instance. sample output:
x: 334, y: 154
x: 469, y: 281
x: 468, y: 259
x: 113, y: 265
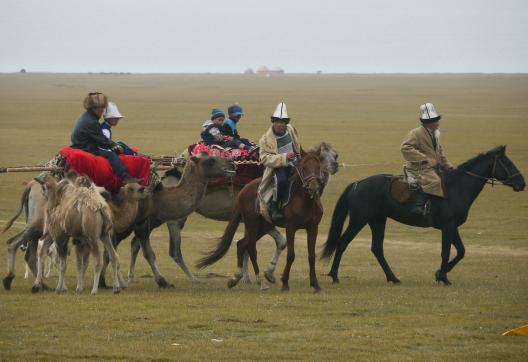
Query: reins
x: 491, y: 180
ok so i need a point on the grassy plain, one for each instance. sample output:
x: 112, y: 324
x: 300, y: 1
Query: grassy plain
x: 365, y: 117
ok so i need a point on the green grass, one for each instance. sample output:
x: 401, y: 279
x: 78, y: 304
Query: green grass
x: 365, y: 117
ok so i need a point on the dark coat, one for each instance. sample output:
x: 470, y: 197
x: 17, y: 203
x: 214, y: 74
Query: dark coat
x: 87, y: 134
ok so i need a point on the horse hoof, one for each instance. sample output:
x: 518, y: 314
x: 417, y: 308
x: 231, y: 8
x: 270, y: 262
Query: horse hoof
x: 7, y: 282
x: 269, y: 277
x: 442, y: 277
x: 394, y: 281
x: 36, y: 289
x: 162, y: 283
x: 231, y: 283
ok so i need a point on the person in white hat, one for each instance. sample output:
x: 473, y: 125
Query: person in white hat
x: 279, y: 146
x: 425, y: 157
x: 111, y: 119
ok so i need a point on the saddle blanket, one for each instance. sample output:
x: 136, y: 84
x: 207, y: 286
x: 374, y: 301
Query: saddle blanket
x: 99, y: 170
x: 248, y: 165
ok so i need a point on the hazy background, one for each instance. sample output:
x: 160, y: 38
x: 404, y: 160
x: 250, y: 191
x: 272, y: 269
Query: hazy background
x: 229, y: 36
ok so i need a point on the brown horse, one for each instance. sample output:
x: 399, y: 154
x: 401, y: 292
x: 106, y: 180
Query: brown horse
x: 304, y: 211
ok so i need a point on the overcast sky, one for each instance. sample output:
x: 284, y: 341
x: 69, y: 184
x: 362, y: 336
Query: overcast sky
x: 159, y: 36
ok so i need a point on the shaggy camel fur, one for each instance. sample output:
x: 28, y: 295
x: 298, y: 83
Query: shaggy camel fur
x: 78, y: 212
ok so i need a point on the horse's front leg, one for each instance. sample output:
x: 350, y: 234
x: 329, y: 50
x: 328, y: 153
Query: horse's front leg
x: 312, y: 238
x: 447, y: 237
x: 461, y: 251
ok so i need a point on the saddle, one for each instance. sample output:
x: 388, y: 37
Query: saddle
x: 402, y: 191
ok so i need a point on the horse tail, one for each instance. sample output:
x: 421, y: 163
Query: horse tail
x: 336, y: 227
x: 23, y: 201
x: 224, y: 242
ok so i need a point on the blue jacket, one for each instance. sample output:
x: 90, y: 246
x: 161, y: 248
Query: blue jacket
x: 107, y: 130
x: 229, y: 128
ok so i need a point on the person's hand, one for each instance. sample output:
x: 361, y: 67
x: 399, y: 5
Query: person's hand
x: 290, y: 155
x: 118, y: 148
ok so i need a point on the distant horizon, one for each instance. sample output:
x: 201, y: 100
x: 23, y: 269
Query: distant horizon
x: 272, y: 76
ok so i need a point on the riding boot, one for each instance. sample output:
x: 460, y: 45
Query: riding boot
x: 419, y: 204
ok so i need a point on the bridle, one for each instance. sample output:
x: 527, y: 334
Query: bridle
x: 305, y: 181
x: 491, y: 180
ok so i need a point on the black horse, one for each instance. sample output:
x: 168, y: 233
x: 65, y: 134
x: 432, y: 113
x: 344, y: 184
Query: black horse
x: 369, y: 201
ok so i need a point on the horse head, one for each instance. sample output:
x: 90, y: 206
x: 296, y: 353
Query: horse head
x: 505, y: 171
x: 309, y: 171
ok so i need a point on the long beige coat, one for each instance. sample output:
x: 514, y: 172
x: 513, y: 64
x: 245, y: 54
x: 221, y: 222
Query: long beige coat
x: 271, y: 158
x: 418, y: 147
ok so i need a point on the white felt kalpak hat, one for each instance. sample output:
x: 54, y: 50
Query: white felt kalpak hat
x: 428, y: 113
x: 281, y: 112
x: 111, y: 111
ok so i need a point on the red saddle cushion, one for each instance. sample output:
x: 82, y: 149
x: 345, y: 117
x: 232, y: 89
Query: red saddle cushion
x: 99, y: 170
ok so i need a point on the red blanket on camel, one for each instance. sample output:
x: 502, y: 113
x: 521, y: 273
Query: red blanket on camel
x: 99, y: 170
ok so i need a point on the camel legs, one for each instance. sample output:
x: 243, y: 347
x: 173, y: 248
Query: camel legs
x: 114, y: 258
x: 135, y: 247
x: 31, y: 236
x: 97, y: 256
x: 175, y: 248
x: 81, y: 252
x: 42, y: 251
x: 63, y: 255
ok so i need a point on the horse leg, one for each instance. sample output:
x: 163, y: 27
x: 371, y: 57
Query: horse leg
x: 350, y: 233
x: 135, y: 247
x: 447, y: 237
x: 377, y: 228
x: 245, y: 274
x: 280, y: 245
x: 241, y: 250
x: 290, y: 238
x: 312, y: 238
x: 461, y: 251
x: 175, y: 249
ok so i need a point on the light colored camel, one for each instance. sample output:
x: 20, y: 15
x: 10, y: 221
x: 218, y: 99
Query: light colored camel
x: 81, y: 213
x: 218, y: 205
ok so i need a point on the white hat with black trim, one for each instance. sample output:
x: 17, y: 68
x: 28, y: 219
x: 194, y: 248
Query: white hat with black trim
x: 428, y: 113
x: 281, y: 112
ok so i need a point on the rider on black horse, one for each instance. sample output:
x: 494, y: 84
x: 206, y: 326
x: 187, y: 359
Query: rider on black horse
x: 425, y: 157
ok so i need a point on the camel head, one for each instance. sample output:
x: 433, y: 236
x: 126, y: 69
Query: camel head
x: 212, y: 167
x: 135, y: 191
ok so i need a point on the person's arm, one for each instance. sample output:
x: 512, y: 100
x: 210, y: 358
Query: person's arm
x: 272, y: 159
x: 96, y: 136
x: 410, y: 151
x: 443, y: 159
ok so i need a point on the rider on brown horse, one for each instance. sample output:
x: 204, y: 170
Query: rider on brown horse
x: 279, y: 147
x: 425, y: 158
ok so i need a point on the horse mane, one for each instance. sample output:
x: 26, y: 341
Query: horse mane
x: 452, y: 175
